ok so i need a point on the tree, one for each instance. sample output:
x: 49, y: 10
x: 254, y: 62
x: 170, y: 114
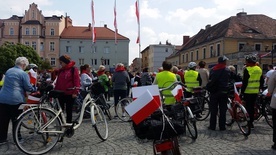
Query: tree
x: 9, y: 52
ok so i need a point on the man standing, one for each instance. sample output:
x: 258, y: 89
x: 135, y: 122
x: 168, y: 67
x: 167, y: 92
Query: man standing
x: 268, y: 74
x: 204, y: 73
x: 219, y: 77
x: 251, y: 84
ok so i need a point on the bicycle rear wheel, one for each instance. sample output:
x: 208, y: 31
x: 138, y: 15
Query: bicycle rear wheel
x: 99, y: 122
x: 191, y: 123
x: 267, y: 112
x: 205, y: 109
x: 120, y: 109
x: 242, y: 119
x: 33, y: 139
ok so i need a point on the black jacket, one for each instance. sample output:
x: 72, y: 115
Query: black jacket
x: 220, y: 75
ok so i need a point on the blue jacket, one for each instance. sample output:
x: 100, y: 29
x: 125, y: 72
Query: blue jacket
x: 17, y: 82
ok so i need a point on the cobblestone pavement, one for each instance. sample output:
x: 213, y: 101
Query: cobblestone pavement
x: 122, y: 141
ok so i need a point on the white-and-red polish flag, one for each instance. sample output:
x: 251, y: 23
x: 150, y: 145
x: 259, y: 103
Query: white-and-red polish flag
x: 153, y: 89
x: 236, y: 95
x: 93, y: 22
x: 115, y: 22
x: 178, y: 93
x: 142, y: 107
x: 138, y: 19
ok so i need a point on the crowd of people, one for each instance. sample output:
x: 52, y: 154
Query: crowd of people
x: 218, y: 81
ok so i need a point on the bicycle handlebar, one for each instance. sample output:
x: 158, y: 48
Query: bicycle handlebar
x: 74, y: 88
x: 173, y: 84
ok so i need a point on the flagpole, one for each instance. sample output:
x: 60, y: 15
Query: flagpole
x: 137, y: 5
x: 93, y: 31
x: 116, y: 30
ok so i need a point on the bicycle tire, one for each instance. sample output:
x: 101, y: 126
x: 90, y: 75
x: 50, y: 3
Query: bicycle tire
x: 205, y: 109
x: 120, y: 109
x: 32, y: 141
x: 191, y: 123
x: 99, y: 122
x: 242, y: 119
x: 108, y: 113
x: 267, y: 112
x: 229, y: 115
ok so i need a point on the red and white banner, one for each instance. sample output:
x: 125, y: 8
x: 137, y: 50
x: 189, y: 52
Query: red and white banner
x: 33, y: 76
x: 115, y: 22
x: 138, y: 19
x: 142, y: 107
x: 237, y: 95
x: 178, y: 93
x: 93, y: 23
x: 153, y: 89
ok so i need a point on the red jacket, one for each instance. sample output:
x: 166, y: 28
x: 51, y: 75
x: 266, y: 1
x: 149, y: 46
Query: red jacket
x: 66, y: 80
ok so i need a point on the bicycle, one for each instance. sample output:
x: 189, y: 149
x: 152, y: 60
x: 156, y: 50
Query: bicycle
x: 203, y: 99
x: 47, y: 126
x: 238, y: 114
x: 120, y: 109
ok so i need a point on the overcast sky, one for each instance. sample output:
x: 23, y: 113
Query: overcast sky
x: 160, y: 20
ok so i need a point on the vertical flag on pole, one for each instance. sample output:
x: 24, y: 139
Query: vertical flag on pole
x: 93, y: 23
x: 138, y: 19
x: 115, y: 22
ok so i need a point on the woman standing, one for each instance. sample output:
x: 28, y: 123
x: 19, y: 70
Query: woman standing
x: 16, y: 83
x: 86, y: 78
x: 103, y: 79
x: 272, y: 93
x: 68, y: 77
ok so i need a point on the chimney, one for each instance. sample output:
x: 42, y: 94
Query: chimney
x: 207, y: 26
x: 241, y: 14
x: 105, y: 25
x: 185, y: 39
x: 89, y: 26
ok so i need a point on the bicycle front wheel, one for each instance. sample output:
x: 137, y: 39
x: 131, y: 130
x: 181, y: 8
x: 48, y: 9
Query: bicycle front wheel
x: 37, y: 131
x: 267, y: 112
x: 99, y: 122
x: 120, y: 109
x: 204, y: 102
x: 191, y: 123
x: 242, y: 119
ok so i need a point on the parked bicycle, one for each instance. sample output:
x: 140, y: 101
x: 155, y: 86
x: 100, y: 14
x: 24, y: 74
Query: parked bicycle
x: 120, y: 109
x: 202, y: 96
x: 238, y: 113
x: 47, y: 126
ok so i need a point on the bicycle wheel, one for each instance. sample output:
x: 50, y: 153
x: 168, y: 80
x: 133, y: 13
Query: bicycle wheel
x: 242, y: 119
x: 99, y: 122
x: 267, y: 112
x: 229, y: 114
x: 191, y: 123
x: 107, y: 113
x: 204, y: 102
x: 120, y: 109
x: 39, y: 137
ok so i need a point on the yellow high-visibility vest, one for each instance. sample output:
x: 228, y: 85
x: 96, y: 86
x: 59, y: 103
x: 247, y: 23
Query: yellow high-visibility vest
x: 253, y: 86
x: 191, y: 80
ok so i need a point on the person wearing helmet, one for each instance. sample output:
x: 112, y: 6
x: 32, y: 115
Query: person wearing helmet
x: 251, y: 84
x: 218, y: 88
x: 32, y: 72
x: 191, y: 79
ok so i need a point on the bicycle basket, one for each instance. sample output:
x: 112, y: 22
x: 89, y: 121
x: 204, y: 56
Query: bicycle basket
x: 97, y: 88
x: 194, y: 105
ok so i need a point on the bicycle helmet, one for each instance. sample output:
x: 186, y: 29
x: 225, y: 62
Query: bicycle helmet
x: 251, y: 58
x: 32, y: 66
x: 192, y: 65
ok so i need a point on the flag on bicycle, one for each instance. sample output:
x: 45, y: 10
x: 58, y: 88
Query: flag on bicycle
x: 177, y: 93
x: 153, y: 89
x: 142, y: 107
x: 236, y: 95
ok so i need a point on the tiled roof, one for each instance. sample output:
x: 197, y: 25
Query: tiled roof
x: 32, y: 22
x: 78, y: 32
x: 243, y: 26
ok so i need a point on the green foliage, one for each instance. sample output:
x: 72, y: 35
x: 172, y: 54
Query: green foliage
x: 9, y: 52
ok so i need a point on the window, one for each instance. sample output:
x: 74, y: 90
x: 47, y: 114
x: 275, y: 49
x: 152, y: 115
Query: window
x: 218, y: 50
x: 53, y: 61
x: 106, y: 50
x: 27, y: 43
x: 34, y: 31
x: 94, y: 49
x: 34, y: 45
x: 81, y: 61
x: 68, y: 49
x: 94, y: 61
x: 105, y: 62
x: 258, y: 47
x: 27, y: 31
x: 52, y: 46
x: 33, y: 14
x: 52, y: 32
x: 11, y: 31
x: 204, y: 53
x: 187, y: 58
x: 241, y: 45
x: 81, y: 49
x: 183, y: 58
x: 166, y: 50
x: 196, y: 54
x: 211, y: 52
x: 192, y: 56
x: 41, y: 46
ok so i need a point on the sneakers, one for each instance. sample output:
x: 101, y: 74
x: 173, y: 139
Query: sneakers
x: 2, y: 142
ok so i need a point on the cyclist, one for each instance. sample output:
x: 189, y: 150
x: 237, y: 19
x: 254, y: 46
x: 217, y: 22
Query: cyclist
x: 164, y: 79
x: 16, y: 83
x: 192, y: 79
x: 251, y: 84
